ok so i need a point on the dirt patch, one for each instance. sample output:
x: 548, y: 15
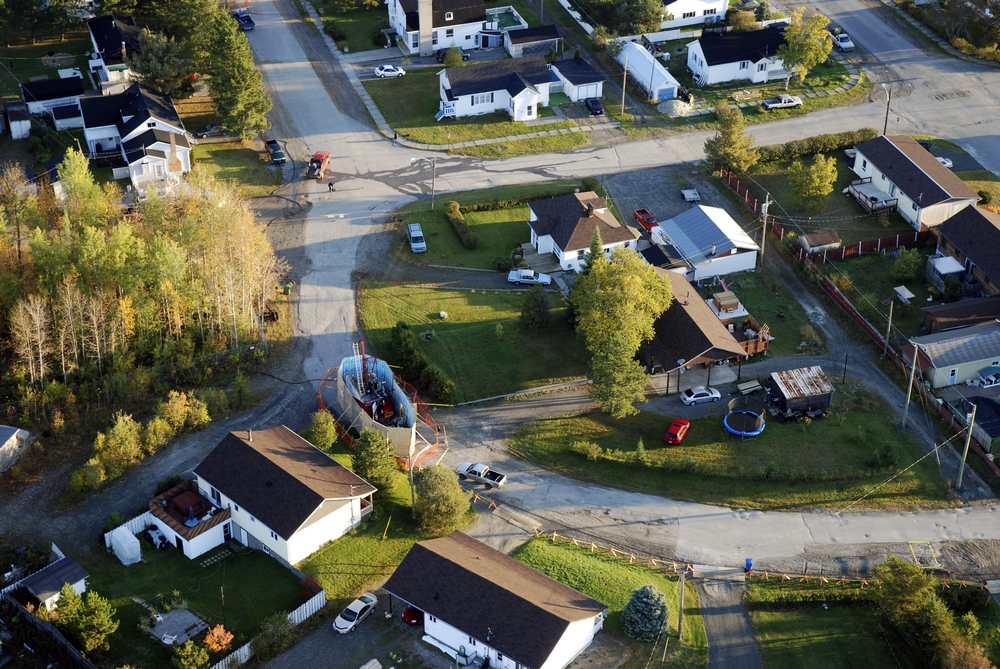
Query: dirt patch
x: 58, y: 60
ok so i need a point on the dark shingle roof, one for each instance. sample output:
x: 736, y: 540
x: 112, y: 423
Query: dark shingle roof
x: 50, y: 580
x: 976, y: 233
x: 101, y: 110
x: 689, y: 331
x: 942, y: 317
x: 490, y: 596
x: 17, y: 111
x: 914, y: 170
x: 565, y: 219
x: 279, y: 477
x: 65, y: 112
x: 152, y: 136
x: 51, y: 89
x: 537, y: 34
x: 733, y: 47
x: 463, y: 11
x: 511, y: 74
x: 663, y: 255
x: 987, y: 414
x: 578, y: 71
x: 110, y: 31
x: 139, y: 102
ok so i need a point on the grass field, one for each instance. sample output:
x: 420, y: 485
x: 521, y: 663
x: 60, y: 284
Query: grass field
x: 982, y: 180
x: 790, y: 466
x: 358, y: 26
x: 528, y: 147
x: 256, y: 586
x: 611, y: 580
x: 196, y: 112
x: 238, y: 162
x: 481, y: 360
x: 27, y: 62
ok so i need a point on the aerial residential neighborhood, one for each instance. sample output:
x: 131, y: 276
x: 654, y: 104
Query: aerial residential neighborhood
x: 520, y: 334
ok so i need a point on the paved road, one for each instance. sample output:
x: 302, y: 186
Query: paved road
x: 731, y: 643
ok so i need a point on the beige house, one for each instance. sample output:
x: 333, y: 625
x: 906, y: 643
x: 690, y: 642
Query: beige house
x: 956, y: 356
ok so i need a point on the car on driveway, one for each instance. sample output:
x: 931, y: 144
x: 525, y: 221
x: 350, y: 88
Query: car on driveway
x: 528, y: 276
x: 945, y: 161
x: 209, y: 130
x: 412, y: 615
x: 783, y: 101
x: 700, y: 394
x: 356, y: 611
x: 156, y: 537
x: 843, y: 42
x: 594, y: 106
x: 274, y: 149
x: 677, y: 431
x: 441, y: 53
x: 383, y: 71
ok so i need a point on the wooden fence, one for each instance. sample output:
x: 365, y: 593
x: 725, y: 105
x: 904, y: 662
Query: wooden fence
x: 47, y: 628
x: 904, y: 241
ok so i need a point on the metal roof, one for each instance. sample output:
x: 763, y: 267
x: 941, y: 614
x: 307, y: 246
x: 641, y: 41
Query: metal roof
x: 964, y: 345
x: 802, y: 382
x: 704, y: 232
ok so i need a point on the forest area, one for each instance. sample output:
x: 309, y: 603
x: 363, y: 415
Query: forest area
x: 139, y: 321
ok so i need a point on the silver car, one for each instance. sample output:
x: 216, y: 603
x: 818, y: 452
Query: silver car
x: 383, y: 71
x: 528, y: 276
x: 356, y: 611
x: 700, y: 394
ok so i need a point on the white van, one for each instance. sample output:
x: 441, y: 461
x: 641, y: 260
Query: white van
x: 416, y: 238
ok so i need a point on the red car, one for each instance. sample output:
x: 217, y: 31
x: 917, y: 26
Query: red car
x: 645, y: 218
x: 412, y: 616
x: 678, y: 429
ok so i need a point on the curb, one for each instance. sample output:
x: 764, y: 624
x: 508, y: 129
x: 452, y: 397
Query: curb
x: 935, y: 38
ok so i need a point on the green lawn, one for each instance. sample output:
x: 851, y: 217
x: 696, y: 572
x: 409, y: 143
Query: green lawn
x: 467, y: 345
x: 410, y: 103
x: 28, y: 63
x: 611, y: 581
x: 237, y: 161
x: 982, y: 180
x: 528, y: 147
x: 256, y: 586
x: 790, y: 466
x: 196, y: 112
x: 351, y: 24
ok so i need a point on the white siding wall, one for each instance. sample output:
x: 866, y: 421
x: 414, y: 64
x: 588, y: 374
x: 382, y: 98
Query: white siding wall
x: 152, y: 124
x: 307, y: 540
x: 571, y: 260
x: 696, y: 7
x: 727, y: 264
x: 79, y: 588
x: 524, y: 106
x: 456, y: 639
x: 464, y: 106
x: 193, y: 548
x: 38, y: 108
x: 248, y: 522
x: 578, y: 93
x: 576, y: 637
x: 105, y: 135
x: 465, y: 35
x: 545, y: 243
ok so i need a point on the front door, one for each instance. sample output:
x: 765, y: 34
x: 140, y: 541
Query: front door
x: 243, y: 537
x: 227, y: 532
x: 952, y: 376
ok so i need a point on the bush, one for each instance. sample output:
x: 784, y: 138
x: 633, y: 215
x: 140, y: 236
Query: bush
x: 115, y: 520
x: 441, y: 502
x: 166, y: 484
x: 372, y: 461
x: 416, y: 368
x: 502, y: 264
x: 322, y: 433
x: 908, y: 266
x: 952, y: 289
x: 641, y: 456
x: 645, y: 615
x: 985, y: 197
x: 215, y: 399
x: 884, y: 456
x: 275, y: 635
x: 963, y: 599
x: 453, y: 212
x: 590, y: 184
x: 587, y: 449
x: 813, y: 145
x: 535, y: 313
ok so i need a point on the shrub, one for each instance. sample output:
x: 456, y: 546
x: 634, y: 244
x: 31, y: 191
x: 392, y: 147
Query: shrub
x: 908, y: 266
x: 416, y: 367
x: 884, y: 456
x: 963, y: 599
x: 453, y: 212
x: 372, y: 461
x: 645, y: 615
x: 453, y: 57
x: 190, y: 656
x: 156, y: 435
x: 816, y: 144
x: 641, y: 456
x: 535, y: 313
x: 275, y: 635
x: 502, y: 264
x: 115, y: 520
x: 441, y: 502
x: 590, y: 183
x: 218, y: 638
x: 952, y: 289
x: 587, y: 449
x: 166, y: 484
x: 322, y: 432
x: 985, y: 197
x: 215, y: 399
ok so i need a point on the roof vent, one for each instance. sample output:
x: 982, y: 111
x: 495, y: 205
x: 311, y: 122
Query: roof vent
x: 713, y: 249
x: 590, y: 209
x: 249, y: 435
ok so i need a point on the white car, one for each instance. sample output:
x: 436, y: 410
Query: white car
x: 783, y: 101
x: 700, y: 394
x: 843, y: 42
x: 356, y: 611
x: 528, y: 276
x: 383, y: 71
x: 945, y: 161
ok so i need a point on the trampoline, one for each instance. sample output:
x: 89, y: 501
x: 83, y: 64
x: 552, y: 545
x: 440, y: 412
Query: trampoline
x: 745, y: 418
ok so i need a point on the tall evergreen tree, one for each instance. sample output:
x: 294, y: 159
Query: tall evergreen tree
x: 596, y: 249
x: 236, y: 82
x: 372, y: 461
x: 160, y: 64
x: 731, y: 146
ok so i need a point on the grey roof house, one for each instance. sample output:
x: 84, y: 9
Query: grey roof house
x: 564, y: 226
x: 518, y: 86
x: 114, y: 38
x: 580, y: 80
x: 956, y: 356
x: 46, y: 583
x: 531, y: 41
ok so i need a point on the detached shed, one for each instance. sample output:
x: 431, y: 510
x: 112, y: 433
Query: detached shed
x: 821, y: 240
x: 648, y: 72
x: 19, y: 119
x: 531, y: 41
x: 126, y: 546
x: 45, y: 584
x: 13, y: 443
x: 804, y: 389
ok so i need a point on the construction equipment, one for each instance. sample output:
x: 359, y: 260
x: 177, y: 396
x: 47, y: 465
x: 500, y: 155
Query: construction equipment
x: 317, y: 165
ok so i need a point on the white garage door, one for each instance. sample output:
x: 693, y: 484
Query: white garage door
x: 586, y: 91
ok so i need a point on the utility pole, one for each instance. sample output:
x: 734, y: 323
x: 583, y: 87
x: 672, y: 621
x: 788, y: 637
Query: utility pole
x: 763, y: 234
x: 885, y: 346
x: 909, y: 392
x: 434, y: 174
x: 680, y: 608
x: 624, y: 81
x: 888, y: 92
x: 965, y: 451
x: 844, y: 380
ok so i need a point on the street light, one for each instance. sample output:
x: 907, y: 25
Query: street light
x: 434, y: 165
x: 888, y: 93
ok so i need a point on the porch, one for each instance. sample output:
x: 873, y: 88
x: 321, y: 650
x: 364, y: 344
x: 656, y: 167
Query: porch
x: 872, y: 198
x: 546, y: 263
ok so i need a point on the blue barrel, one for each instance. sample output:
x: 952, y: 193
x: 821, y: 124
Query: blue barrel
x: 749, y: 566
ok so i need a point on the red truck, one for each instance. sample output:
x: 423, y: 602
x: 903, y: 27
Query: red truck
x: 645, y: 218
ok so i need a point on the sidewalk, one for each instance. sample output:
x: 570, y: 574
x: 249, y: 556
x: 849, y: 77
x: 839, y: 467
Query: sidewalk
x: 934, y: 37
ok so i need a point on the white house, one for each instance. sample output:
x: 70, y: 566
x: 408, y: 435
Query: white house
x: 142, y: 130
x: 717, y: 58
x: 564, y: 226
x: 424, y: 26
x: 42, y: 96
x: 18, y: 118
x: 46, y: 583
x: 680, y: 13
x: 283, y: 495
x: 708, y: 241
x: 531, y: 41
x: 518, y: 86
x: 580, y: 80
x: 13, y: 443
x: 896, y: 168
x: 482, y: 605
x: 114, y: 38
x: 648, y: 72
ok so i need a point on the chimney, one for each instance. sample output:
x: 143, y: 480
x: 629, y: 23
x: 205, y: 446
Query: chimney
x: 249, y: 435
x: 590, y: 209
x: 124, y: 54
x: 425, y: 14
x: 713, y: 249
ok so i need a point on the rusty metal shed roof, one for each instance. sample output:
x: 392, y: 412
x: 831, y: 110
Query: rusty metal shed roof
x: 802, y: 382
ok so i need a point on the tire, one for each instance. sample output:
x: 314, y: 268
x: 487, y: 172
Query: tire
x: 517, y: 283
x: 352, y: 627
x: 715, y: 399
x: 381, y: 76
x: 798, y: 106
x: 489, y: 486
x: 462, y: 477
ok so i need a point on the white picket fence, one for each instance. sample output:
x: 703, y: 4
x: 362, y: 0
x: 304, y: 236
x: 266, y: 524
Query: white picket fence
x: 243, y: 653
x: 13, y: 586
x: 136, y: 526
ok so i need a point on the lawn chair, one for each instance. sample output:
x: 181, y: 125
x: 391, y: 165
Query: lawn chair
x: 169, y: 638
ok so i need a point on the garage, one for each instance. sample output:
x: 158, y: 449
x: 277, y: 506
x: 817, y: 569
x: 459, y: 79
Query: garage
x: 580, y: 79
x: 587, y: 91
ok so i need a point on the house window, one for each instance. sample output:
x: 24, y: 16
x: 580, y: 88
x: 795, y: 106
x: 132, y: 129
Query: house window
x: 274, y: 536
x: 708, y: 12
x: 236, y: 507
x: 450, y: 32
x: 762, y: 67
x: 434, y: 35
x: 252, y: 519
x: 448, y: 16
x: 468, y: 37
x: 267, y: 551
x: 864, y: 164
x: 499, y: 657
x: 530, y: 112
x: 216, y: 497
x: 482, y: 99
x: 151, y: 124
x: 416, y: 41
x: 913, y: 205
x: 158, y: 169
x: 433, y: 619
x: 744, y: 64
x: 689, y: 15
x: 883, y: 177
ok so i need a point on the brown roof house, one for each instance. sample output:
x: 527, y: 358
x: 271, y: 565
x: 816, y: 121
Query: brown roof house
x: 482, y: 606
x: 564, y: 226
x: 269, y: 489
x: 944, y: 317
x: 895, y: 169
x: 972, y: 238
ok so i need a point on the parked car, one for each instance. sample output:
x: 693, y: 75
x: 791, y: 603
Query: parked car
x: 783, y: 101
x: 843, y: 42
x: 677, y: 431
x: 415, y: 235
x: 528, y: 276
x: 594, y: 106
x: 481, y: 474
x: 700, y: 394
x: 945, y: 161
x: 274, y: 149
x: 156, y: 537
x: 412, y: 616
x: 244, y: 19
x: 645, y: 218
x: 383, y: 71
x: 209, y: 130
x: 441, y: 53
x: 356, y: 611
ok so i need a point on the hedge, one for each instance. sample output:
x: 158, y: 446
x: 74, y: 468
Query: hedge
x: 810, y: 146
x: 453, y: 212
x: 794, y: 596
x: 416, y: 368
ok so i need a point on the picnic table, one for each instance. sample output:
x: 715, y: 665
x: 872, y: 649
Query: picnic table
x: 749, y: 387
